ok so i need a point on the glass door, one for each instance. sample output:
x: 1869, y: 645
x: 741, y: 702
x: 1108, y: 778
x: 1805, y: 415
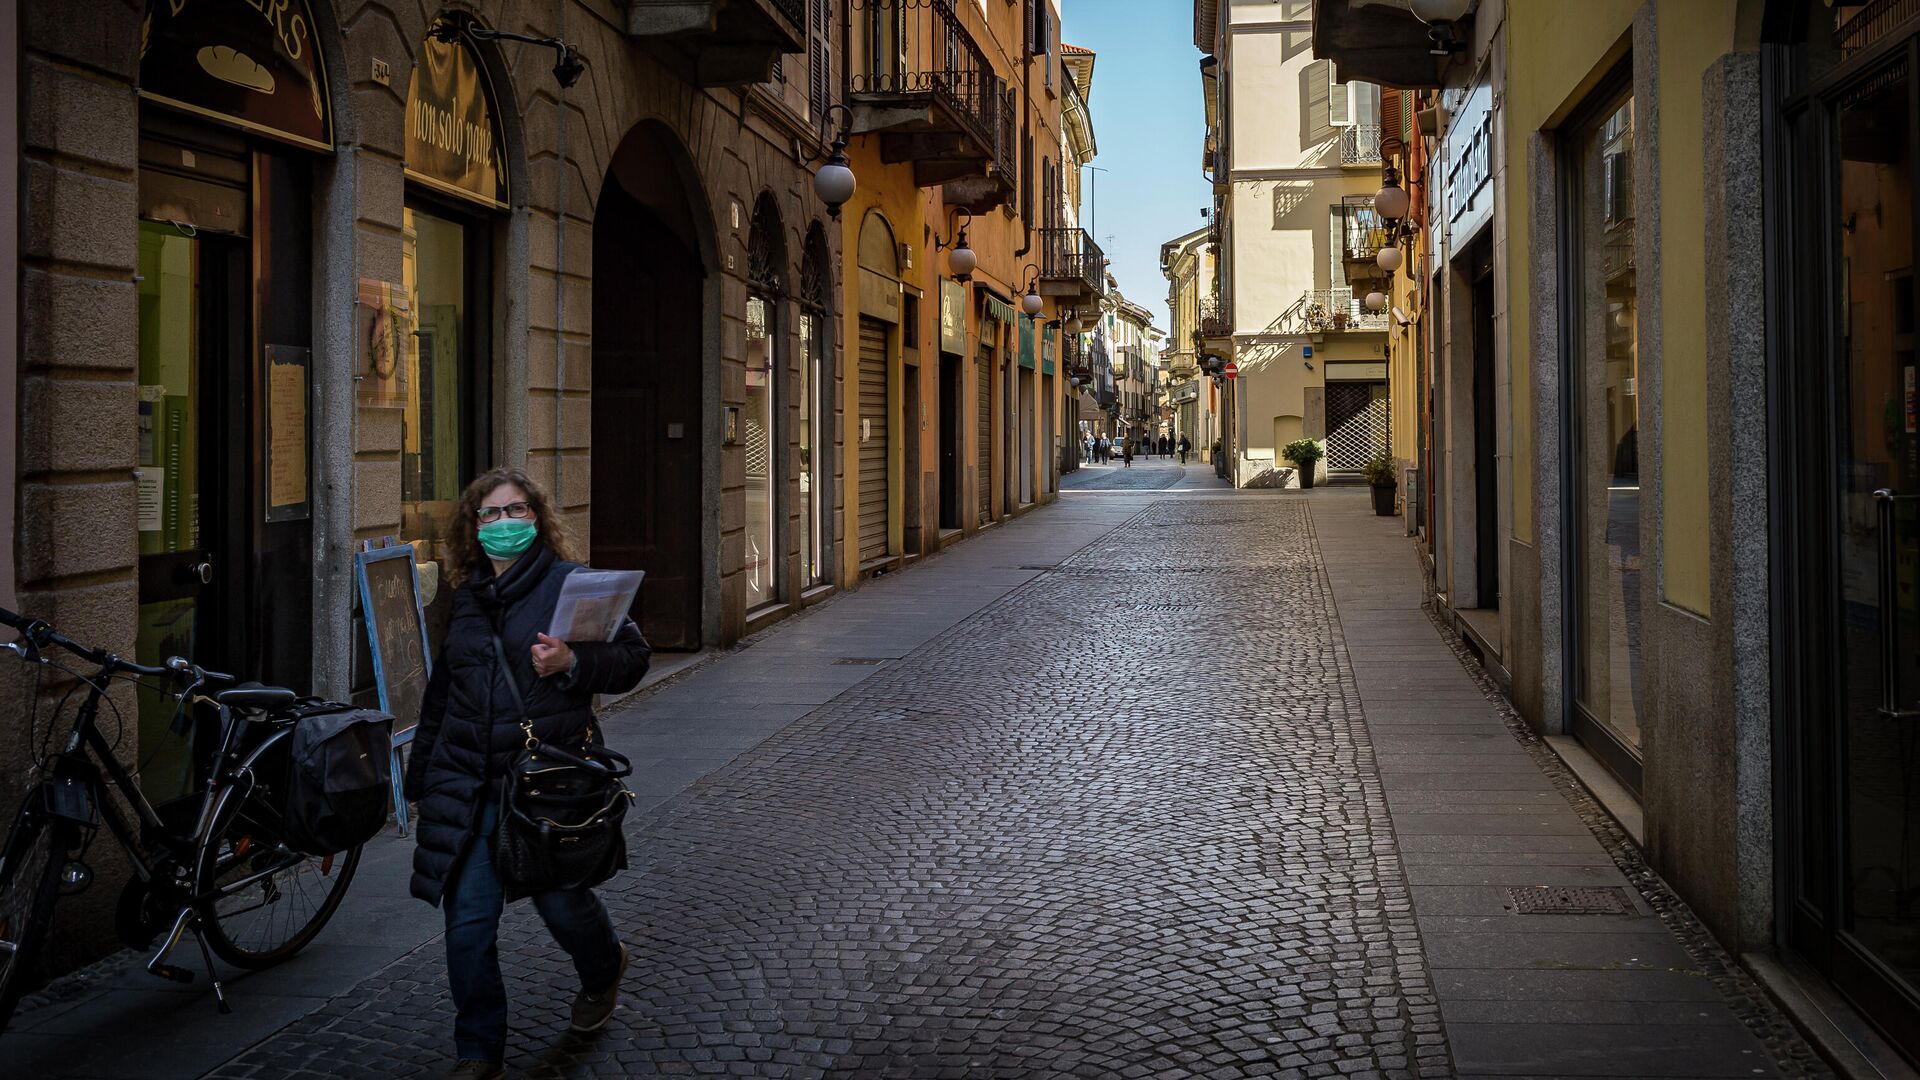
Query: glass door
x: 186, y: 330
x: 1874, y: 537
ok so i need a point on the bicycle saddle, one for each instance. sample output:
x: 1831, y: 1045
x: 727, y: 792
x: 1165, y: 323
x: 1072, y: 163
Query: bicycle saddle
x: 255, y: 696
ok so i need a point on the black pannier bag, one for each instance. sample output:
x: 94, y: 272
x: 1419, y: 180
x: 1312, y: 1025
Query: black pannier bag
x: 340, y: 776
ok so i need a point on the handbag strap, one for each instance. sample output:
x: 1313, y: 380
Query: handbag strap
x: 513, y: 684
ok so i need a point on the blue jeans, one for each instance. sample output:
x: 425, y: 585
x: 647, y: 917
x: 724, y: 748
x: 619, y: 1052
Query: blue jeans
x: 473, y: 901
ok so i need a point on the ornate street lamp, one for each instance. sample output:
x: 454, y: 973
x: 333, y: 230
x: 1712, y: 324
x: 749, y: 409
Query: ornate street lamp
x: 834, y: 181
x: 960, y: 258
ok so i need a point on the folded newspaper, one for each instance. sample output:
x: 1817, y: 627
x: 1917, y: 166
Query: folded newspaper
x: 593, y: 603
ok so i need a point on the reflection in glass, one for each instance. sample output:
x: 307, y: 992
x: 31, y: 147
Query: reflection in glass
x: 433, y: 418
x: 1606, y: 366
x: 1878, y: 446
x: 756, y: 436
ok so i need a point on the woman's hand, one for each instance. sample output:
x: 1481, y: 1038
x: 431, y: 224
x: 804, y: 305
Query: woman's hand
x: 551, y: 656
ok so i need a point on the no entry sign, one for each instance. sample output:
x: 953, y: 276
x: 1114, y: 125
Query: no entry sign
x: 1232, y: 370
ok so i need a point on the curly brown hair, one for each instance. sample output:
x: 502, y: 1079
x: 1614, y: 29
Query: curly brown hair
x: 464, y: 555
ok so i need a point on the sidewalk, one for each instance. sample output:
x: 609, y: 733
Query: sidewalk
x: 1554, y: 950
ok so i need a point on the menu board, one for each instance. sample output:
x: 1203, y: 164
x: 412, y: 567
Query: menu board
x: 396, y: 629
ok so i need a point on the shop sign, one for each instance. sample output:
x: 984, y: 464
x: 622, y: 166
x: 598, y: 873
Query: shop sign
x: 1185, y: 392
x: 1366, y: 371
x: 251, y: 63
x: 953, y: 317
x: 1469, y: 164
x: 453, y: 139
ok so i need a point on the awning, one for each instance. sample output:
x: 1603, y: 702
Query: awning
x: 997, y: 307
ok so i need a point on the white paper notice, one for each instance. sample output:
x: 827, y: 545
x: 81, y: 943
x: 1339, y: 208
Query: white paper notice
x: 150, y: 489
x: 593, y: 603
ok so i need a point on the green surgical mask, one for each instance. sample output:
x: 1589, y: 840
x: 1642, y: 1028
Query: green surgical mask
x: 508, y: 537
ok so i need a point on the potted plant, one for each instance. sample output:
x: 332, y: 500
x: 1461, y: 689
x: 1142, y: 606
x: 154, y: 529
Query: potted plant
x: 1303, y: 453
x: 1379, y: 474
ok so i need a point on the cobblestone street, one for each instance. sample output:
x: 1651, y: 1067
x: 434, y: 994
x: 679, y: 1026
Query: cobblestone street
x: 1127, y: 819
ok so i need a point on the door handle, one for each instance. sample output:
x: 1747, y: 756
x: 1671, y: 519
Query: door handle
x: 1890, y: 697
x: 201, y: 571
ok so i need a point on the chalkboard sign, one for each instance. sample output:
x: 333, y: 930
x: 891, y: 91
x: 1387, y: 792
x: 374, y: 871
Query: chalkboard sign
x: 396, y: 629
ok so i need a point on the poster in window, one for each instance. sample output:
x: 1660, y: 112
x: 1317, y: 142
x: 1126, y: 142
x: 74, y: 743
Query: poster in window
x: 286, y: 464
x: 254, y: 65
x: 384, y: 332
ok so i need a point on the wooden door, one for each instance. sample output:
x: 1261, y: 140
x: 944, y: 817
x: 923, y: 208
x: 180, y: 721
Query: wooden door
x: 872, y: 435
x: 646, y: 414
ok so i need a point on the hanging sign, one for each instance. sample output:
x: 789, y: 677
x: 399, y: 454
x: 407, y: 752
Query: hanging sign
x: 453, y: 141
x: 953, y: 317
x: 251, y: 64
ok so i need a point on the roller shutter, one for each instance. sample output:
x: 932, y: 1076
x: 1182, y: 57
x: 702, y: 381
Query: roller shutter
x: 872, y: 434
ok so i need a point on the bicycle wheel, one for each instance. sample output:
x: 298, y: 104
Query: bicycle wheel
x: 271, y: 899
x: 29, y: 881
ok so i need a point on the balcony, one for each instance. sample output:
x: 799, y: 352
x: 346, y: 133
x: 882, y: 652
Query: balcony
x: 1072, y: 266
x: 996, y: 186
x: 929, y: 93
x: 723, y: 42
x: 1331, y: 311
x: 1360, y: 146
x: 1363, y: 232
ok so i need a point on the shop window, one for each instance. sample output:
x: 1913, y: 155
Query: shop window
x: 443, y: 419
x: 764, y: 463
x: 1608, y: 676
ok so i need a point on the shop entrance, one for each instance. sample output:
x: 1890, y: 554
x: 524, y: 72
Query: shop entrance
x: 1848, y: 609
x: 1026, y: 436
x: 222, y: 503
x: 648, y: 282
x: 1486, y: 481
x: 950, y: 421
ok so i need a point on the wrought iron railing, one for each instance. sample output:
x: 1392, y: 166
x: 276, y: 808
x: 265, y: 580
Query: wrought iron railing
x: 1360, y: 144
x: 795, y: 11
x: 1006, y: 147
x: 1216, y: 320
x: 1320, y: 311
x: 1363, y: 232
x: 921, y: 47
x: 1071, y: 255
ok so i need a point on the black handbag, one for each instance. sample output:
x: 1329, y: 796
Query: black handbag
x: 562, y: 811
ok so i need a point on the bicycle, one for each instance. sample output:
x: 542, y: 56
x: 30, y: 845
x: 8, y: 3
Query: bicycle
x: 220, y: 870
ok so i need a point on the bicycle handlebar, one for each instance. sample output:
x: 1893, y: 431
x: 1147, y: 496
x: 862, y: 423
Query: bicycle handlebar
x: 40, y: 633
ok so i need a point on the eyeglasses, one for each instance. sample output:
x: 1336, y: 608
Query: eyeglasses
x: 489, y: 514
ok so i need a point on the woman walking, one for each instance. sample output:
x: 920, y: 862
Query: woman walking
x: 509, y: 554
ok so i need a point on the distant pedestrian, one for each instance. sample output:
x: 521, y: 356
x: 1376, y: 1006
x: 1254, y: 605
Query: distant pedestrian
x: 1146, y: 447
x: 1166, y: 446
x: 1186, y: 447
x: 1126, y: 451
x: 1100, y: 448
x: 508, y: 555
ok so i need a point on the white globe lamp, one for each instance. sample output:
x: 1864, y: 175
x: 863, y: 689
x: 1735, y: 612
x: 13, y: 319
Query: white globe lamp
x: 1376, y: 300
x: 1388, y: 258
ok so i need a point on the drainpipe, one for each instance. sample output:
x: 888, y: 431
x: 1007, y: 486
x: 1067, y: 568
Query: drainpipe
x: 1026, y: 132
x: 560, y: 298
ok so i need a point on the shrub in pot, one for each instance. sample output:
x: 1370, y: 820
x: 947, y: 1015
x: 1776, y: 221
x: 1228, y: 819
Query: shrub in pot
x: 1303, y: 453
x: 1379, y: 474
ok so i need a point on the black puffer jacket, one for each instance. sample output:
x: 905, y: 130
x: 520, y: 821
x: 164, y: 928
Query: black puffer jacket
x: 469, y: 720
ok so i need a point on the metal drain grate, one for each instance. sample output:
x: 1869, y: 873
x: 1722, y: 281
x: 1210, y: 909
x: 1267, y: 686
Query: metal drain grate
x: 861, y: 661
x: 1567, y: 900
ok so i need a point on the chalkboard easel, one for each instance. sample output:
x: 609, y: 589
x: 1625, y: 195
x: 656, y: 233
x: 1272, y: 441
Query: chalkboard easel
x: 397, y: 635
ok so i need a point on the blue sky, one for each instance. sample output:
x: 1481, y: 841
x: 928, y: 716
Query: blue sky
x: 1148, y: 122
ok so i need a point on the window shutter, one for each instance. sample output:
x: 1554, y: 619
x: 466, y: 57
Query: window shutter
x: 1316, y: 80
x: 819, y: 56
x: 1339, y: 99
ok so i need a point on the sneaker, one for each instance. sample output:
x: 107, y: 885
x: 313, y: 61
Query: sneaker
x: 477, y: 1070
x: 591, y: 1011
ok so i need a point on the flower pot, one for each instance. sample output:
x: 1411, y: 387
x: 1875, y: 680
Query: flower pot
x: 1305, y: 472
x: 1383, y: 498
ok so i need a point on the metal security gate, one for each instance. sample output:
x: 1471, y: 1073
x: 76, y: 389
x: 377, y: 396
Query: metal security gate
x: 873, y: 439
x: 1358, y: 424
x: 983, y: 363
